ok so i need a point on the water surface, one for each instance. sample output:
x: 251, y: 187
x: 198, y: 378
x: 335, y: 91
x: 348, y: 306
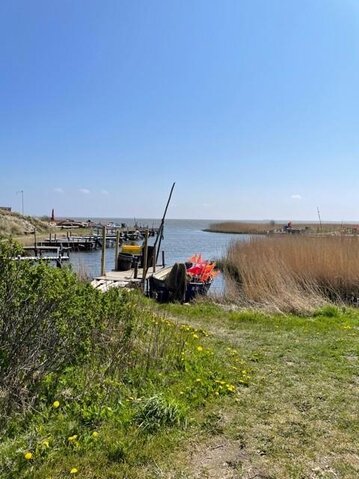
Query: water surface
x: 182, y: 239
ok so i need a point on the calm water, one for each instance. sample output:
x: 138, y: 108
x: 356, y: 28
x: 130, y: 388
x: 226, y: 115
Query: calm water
x: 182, y: 238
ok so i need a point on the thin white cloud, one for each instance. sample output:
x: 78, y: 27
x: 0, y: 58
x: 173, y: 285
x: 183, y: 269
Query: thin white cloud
x: 58, y: 190
x: 104, y: 192
x: 84, y: 191
x: 296, y: 197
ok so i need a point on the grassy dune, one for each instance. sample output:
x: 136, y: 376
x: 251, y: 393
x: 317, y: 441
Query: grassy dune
x: 14, y: 224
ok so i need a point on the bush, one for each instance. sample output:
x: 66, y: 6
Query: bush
x: 48, y: 321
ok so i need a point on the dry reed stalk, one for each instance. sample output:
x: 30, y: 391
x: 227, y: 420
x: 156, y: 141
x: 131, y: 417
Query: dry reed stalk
x: 295, y: 273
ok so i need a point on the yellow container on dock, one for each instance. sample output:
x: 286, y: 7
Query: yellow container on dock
x: 131, y: 249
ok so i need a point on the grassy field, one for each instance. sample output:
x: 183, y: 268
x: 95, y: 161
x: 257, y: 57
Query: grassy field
x: 298, y: 416
x: 93, y: 384
x: 115, y: 386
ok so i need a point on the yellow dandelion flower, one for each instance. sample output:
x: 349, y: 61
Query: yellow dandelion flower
x: 28, y: 455
x: 56, y: 404
x: 198, y: 380
x: 199, y: 348
x: 74, y: 470
x: 72, y: 438
x: 195, y: 336
x: 95, y: 434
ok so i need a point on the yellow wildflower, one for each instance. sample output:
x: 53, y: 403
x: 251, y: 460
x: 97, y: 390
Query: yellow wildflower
x: 72, y: 438
x: 199, y: 348
x: 74, y: 470
x: 28, y: 455
x: 95, y: 434
x: 56, y: 404
x: 195, y: 336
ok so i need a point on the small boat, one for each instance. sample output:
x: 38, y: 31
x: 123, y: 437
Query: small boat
x: 183, y: 281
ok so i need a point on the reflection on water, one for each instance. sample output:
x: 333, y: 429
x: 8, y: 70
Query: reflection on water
x: 182, y: 238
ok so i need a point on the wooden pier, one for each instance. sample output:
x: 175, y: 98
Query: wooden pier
x: 39, y: 253
x: 94, y: 241
x: 127, y: 279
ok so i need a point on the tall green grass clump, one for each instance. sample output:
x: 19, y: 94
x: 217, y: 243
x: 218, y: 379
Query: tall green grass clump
x: 94, y: 382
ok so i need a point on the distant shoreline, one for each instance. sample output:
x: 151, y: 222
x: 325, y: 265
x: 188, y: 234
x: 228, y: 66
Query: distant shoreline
x: 232, y: 227
x: 210, y: 230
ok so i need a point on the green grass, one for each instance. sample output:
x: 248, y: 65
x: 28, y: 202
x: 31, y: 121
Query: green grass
x: 200, y: 391
x: 128, y: 384
x: 298, y: 417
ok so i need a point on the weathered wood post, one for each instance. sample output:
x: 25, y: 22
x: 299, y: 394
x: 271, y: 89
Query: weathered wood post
x: 145, y: 261
x: 103, y: 252
x: 117, y: 245
x: 35, y: 242
x: 154, y: 259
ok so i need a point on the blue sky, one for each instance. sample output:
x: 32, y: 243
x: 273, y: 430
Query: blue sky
x: 251, y: 106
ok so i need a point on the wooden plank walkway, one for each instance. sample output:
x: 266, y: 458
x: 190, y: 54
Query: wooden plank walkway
x: 126, y: 279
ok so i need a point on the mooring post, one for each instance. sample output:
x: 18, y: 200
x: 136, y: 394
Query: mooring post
x: 163, y: 258
x: 117, y: 248
x: 154, y: 259
x: 35, y: 242
x: 103, y: 252
x: 145, y: 261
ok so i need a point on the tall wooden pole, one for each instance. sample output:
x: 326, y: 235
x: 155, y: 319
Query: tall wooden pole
x: 145, y: 258
x: 154, y: 259
x: 320, y: 219
x: 117, y: 245
x: 160, y: 231
x: 103, y: 252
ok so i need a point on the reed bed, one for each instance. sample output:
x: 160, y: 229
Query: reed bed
x: 294, y: 274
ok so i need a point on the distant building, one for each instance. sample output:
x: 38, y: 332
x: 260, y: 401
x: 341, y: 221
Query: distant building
x: 6, y: 208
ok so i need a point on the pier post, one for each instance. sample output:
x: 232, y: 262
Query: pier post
x: 103, y: 252
x: 145, y: 261
x: 117, y: 248
x: 154, y: 259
